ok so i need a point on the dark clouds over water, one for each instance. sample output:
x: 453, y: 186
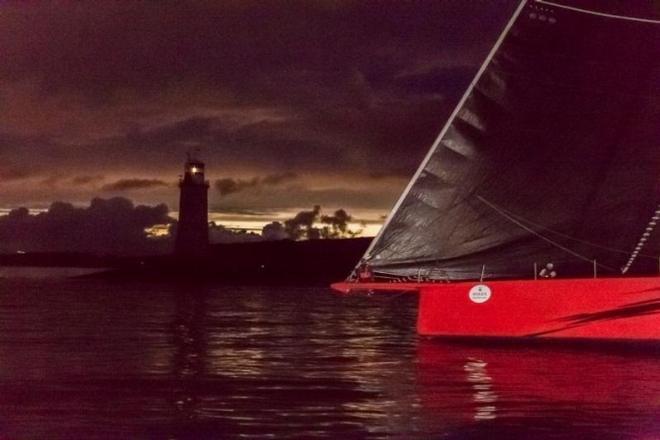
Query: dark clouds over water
x: 344, y: 97
x: 113, y: 226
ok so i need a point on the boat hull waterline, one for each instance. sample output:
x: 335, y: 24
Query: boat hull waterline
x: 600, y: 308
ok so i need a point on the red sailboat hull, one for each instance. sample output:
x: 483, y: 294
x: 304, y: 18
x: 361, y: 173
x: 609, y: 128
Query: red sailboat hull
x: 607, y: 308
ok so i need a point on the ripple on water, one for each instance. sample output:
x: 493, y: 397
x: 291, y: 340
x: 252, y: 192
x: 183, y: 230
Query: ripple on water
x: 91, y: 359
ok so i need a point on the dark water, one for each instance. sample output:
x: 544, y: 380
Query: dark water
x: 90, y: 360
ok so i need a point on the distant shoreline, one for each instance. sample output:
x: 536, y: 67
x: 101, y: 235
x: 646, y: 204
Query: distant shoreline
x: 272, y: 262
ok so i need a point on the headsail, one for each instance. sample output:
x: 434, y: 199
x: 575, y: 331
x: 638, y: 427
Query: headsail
x: 552, y: 155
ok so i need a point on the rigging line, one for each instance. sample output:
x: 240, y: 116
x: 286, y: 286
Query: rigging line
x: 561, y: 234
x: 642, y: 240
x: 552, y: 242
x: 600, y: 14
x: 435, y: 145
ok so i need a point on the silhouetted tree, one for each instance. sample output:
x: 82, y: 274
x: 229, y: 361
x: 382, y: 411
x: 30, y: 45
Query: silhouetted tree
x: 303, y: 226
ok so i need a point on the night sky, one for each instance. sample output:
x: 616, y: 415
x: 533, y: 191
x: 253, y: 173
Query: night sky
x: 291, y: 104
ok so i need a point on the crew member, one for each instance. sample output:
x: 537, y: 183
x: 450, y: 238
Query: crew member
x: 548, y: 271
x: 365, y: 274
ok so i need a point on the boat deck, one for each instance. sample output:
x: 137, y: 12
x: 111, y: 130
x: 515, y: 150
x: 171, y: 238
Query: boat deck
x: 351, y: 286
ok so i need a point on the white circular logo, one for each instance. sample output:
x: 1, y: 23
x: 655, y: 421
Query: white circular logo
x: 480, y: 293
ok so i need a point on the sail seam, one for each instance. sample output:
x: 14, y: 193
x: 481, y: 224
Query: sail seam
x: 444, y: 130
x: 600, y: 14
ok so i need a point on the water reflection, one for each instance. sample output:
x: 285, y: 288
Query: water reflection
x: 546, y: 391
x: 189, y: 340
x: 482, y: 385
x: 95, y: 360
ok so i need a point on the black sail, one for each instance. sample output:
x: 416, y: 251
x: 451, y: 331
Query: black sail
x: 553, y: 155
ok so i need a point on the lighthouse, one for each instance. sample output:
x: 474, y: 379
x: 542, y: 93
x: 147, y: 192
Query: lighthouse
x: 192, y: 237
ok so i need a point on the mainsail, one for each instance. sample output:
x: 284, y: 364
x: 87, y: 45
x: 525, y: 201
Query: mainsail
x: 552, y: 155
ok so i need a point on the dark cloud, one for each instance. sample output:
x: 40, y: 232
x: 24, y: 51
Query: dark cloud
x: 434, y: 80
x: 277, y: 179
x: 147, y: 45
x: 389, y: 174
x: 227, y: 186
x: 106, y: 226
x: 195, y: 130
x: 263, y: 88
x: 15, y: 173
x: 86, y: 180
x: 242, y: 212
x: 131, y: 184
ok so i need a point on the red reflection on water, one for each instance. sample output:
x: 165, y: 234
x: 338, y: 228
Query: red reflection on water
x: 548, y: 388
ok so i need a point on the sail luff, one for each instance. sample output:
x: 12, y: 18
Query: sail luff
x: 446, y: 127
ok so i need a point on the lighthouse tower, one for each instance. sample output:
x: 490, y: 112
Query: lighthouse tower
x: 192, y: 237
